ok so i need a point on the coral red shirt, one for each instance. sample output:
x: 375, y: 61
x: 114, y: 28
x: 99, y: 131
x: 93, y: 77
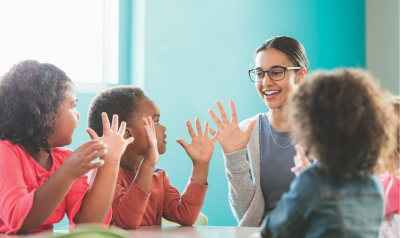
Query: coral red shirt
x: 20, y: 176
x: 393, y: 204
x: 133, y: 207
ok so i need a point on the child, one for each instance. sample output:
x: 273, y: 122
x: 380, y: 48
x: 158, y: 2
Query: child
x: 341, y: 120
x: 144, y: 195
x: 391, y: 184
x: 40, y: 182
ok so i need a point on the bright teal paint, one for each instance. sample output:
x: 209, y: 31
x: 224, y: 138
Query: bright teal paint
x: 198, y: 52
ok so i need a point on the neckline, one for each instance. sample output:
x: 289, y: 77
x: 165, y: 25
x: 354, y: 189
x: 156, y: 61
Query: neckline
x: 273, y: 129
x: 36, y: 164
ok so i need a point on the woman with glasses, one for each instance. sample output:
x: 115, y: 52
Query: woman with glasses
x: 259, y: 151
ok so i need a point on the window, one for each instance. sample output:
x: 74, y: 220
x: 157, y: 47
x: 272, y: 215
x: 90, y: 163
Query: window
x: 80, y: 37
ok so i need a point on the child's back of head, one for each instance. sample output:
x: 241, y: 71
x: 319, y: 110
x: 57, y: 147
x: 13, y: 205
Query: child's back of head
x: 340, y: 118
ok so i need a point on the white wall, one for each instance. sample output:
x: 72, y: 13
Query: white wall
x: 382, y: 41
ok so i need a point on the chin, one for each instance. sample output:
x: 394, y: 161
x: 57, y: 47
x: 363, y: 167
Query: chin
x: 162, y: 150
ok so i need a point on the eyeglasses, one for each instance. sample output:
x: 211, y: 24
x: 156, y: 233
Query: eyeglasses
x: 276, y: 73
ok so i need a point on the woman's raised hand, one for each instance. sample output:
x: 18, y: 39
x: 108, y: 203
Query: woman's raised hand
x: 201, y: 148
x: 151, y: 156
x: 300, y: 160
x: 231, y: 137
x: 113, y: 137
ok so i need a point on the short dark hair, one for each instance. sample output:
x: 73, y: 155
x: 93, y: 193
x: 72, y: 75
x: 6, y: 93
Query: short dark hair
x: 291, y: 47
x: 340, y: 118
x: 31, y: 94
x: 121, y: 100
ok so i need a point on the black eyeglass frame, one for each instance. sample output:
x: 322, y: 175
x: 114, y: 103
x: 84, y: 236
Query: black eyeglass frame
x: 281, y: 67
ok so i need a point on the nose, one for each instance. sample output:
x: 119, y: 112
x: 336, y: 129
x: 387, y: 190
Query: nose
x: 267, y: 81
x: 164, y: 128
x: 78, y: 115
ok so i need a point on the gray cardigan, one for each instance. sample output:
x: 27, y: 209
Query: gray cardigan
x: 243, y: 173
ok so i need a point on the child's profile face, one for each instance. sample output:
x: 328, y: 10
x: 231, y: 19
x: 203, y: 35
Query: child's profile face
x: 148, y: 108
x: 68, y: 119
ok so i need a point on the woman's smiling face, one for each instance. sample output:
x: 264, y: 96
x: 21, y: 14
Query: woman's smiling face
x: 276, y: 93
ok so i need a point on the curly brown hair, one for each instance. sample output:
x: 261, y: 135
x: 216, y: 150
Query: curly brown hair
x: 340, y: 118
x: 121, y: 100
x: 31, y: 94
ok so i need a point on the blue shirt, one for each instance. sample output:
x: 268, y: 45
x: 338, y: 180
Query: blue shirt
x: 275, y: 163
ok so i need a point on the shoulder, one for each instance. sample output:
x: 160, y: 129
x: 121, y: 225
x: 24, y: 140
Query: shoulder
x: 60, y: 154
x: 243, y: 124
x: 6, y: 147
x: 309, y: 180
x: 385, y: 178
x: 10, y: 152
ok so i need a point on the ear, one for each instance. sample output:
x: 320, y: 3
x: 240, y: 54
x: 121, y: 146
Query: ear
x: 301, y: 75
x: 127, y: 133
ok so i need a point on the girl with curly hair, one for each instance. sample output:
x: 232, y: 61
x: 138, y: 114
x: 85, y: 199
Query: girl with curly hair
x: 39, y: 181
x: 339, y: 117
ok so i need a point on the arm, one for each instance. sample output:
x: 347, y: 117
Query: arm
x: 183, y: 209
x: 295, y: 207
x: 97, y: 202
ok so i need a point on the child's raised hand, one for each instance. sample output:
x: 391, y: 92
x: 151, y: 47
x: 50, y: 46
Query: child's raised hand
x: 151, y: 156
x: 232, y: 138
x: 300, y: 160
x: 80, y: 162
x: 201, y: 148
x: 113, y: 138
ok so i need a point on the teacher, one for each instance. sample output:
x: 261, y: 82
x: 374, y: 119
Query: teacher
x: 259, y: 151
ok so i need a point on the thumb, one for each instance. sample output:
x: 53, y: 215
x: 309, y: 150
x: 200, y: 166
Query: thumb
x: 129, y: 140
x: 93, y: 135
x: 303, y: 157
x: 183, y: 143
x: 250, y: 127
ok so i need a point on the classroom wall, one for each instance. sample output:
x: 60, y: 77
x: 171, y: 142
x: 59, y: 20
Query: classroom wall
x: 197, y: 52
x: 382, y: 42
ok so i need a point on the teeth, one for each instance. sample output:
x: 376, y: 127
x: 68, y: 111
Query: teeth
x: 270, y: 92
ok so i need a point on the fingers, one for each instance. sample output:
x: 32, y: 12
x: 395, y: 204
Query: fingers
x: 95, y: 165
x: 216, y: 119
x: 303, y: 156
x: 250, y: 128
x: 106, y: 122
x: 122, y: 128
x: 94, y: 148
x: 190, y: 128
x: 148, y: 134
x: 93, y: 135
x: 129, y: 140
x: 198, y: 127
x: 233, y: 111
x: 114, y: 126
x: 222, y: 112
x: 215, y: 138
x: 212, y: 131
x: 183, y: 143
x: 207, y: 129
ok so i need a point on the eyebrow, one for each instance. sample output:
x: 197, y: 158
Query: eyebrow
x: 274, y: 66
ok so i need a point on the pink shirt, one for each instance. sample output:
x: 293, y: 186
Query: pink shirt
x: 20, y: 176
x: 393, y: 205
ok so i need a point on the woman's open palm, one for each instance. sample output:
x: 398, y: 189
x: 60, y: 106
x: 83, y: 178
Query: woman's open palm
x: 231, y: 138
x: 113, y: 137
x: 201, y: 148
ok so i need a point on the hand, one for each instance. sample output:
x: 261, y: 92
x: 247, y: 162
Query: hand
x: 300, y: 160
x: 113, y: 138
x: 201, y: 148
x: 231, y: 138
x: 151, y: 156
x: 80, y: 162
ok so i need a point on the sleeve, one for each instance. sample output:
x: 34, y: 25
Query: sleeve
x: 294, y: 208
x: 15, y: 200
x: 129, y: 205
x: 183, y: 209
x: 241, y: 186
x: 74, y: 198
x: 392, y: 196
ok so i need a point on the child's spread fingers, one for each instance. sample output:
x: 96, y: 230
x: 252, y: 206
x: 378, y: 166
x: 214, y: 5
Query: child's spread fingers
x: 95, y: 165
x: 198, y: 127
x: 129, y: 140
x: 93, y: 135
x: 216, y: 119
x: 114, y: 126
x: 222, y: 112
x: 122, y: 128
x: 92, y: 149
x: 233, y: 111
x: 106, y: 122
x: 95, y: 155
x: 190, y: 128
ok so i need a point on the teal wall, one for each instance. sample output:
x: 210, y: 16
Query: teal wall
x: 197, y: 52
